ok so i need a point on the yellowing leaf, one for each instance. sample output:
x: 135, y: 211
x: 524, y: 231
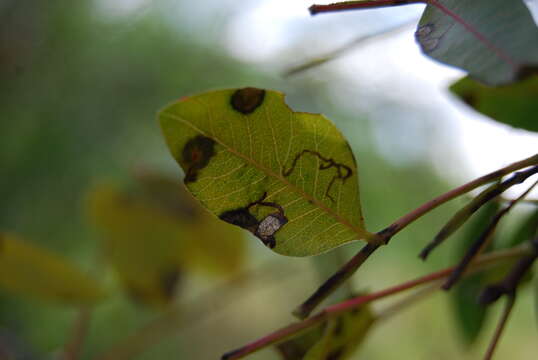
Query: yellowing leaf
x: 28, y: 269
x: 144, y: 247
x: 337, y: 339
x: 289, y: 178
x: 156, y: 232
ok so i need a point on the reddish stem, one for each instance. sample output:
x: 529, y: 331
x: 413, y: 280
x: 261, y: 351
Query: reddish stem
x: 500, y: 327
x: 294, y: 329
x: 353, y: 5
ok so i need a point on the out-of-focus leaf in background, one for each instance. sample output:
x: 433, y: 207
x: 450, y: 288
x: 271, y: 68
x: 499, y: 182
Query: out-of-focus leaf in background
x: 503, y: 41
x: 155, y: 231
x: 469, y: 315
x: 515, y: 104
x: 30, y: 270
x: 251, y: 160
x: 524, y: 231
x: 337, y: 339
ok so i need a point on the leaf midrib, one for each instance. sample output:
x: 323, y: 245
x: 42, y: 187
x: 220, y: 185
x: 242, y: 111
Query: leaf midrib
x: 362, y: 233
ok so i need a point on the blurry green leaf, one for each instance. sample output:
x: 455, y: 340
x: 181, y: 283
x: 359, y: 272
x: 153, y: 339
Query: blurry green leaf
x: 337, y: 339
x: 515, y: 105
x: 470, y: 316
x: 289, y: 178
x: 496, y: 45
x: 525, y: 230
x: 28, y: 269
x: 211, y: 246
x: 155, y: 232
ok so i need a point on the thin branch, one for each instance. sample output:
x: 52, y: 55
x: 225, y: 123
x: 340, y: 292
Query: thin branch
x: 329, y: 286
x: 408, y: 301
x: 372, y: 4
x: 500, y: 327
x: 467, y: 211
x: 483, y: 241
x: 508, y: 285
x: 334, y: 310
x: 354, y: 5
x: 407, y: 219
x: 386, y: 234
x: 342, y: 50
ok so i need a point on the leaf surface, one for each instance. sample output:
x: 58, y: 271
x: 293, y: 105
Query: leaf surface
x: 337, y: 339
x: 289, y: 178
x: 28, y: 269
x: 515, y: 105
x: 497, y: 44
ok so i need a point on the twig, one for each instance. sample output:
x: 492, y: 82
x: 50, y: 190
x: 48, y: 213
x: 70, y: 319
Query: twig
x: 500, y: 327
x: 334, y: 310
x: 482, y: 242
x: 372, y: 4
x: 386, y: 234
x: 511, y: 281
x: 408, y: 301
x: 354, y: 5
x: 332, y: 55
x: 465, y: 213
x: 329, y: 286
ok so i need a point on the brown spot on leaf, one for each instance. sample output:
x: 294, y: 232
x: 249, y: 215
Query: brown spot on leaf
x: 196, y: 155
x: 424, y: 36
x: 247, y: 100
x: 263, y: 230
x: 240, y: 217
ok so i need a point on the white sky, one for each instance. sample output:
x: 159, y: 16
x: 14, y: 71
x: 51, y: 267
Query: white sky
x: 391, y: 68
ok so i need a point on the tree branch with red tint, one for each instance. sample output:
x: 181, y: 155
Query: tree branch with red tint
x: 386, y: 234
x: 337, y: 309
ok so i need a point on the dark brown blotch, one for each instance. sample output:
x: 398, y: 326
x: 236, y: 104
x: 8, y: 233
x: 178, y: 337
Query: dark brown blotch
x: 240, y: 217
x: 196, y: 155
x: 264, y: 229
x: 247, y: 100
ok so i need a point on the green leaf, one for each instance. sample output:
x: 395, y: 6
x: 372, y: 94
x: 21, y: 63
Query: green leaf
x: 514, y: 105
x: 525, y: 231
x: 153, y: 234
x: 496, y: 41
x: 336, y: 339
x: 28, y: 269
x: 470, y: 316
x: 289, y: 178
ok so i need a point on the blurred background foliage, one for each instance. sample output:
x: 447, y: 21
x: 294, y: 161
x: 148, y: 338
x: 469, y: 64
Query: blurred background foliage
x: 80, y: 84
